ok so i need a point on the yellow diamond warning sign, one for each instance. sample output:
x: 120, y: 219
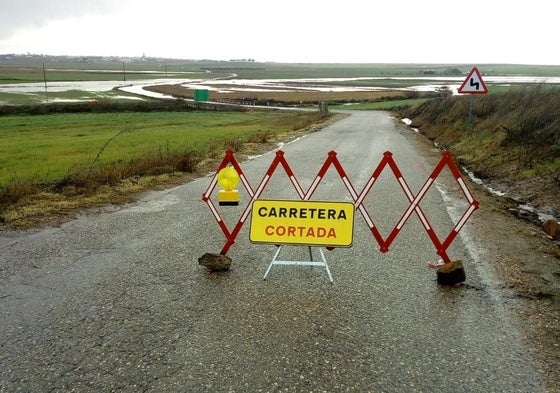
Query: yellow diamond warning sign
x: 302, y: 222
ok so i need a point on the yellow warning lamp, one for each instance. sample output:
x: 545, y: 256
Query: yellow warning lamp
x: 228, y: 178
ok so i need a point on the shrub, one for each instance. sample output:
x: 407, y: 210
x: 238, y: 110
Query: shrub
x: 16, y: 190
x: 521, y: 125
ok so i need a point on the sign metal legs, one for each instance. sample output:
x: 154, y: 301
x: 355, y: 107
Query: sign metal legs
x: 311, y: 262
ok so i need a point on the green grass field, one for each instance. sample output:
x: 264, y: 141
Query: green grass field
x: 382, y: 105
x: 42, y: 149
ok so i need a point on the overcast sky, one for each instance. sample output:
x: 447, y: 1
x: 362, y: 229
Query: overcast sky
x: 350, y: 31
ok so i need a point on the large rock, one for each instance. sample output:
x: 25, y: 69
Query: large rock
x: 552, y: 229
x: 215, y: 262
x: 452, y: 273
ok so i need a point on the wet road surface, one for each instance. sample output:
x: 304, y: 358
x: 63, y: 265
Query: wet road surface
x: 116, y: 301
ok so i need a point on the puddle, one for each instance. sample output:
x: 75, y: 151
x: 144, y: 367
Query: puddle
x: 152, y: 205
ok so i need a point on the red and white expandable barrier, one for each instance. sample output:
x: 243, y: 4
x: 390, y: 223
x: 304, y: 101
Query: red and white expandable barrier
x: 358, y: 198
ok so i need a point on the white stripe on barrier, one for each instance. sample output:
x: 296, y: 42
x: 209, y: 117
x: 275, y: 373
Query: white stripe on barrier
x: 410, y: 196
x: 247, y: 185
x: 215, y: 212
x: 262, y: 185
x: 312, y: 187
x: 297, y: 186
x: 465, y: 218
x: 365, y: 191
x: 415, y: 203
x: 350, y: 188
x: 366, y: 216
x: 211, y: 187
x: 245, y: 214
x: 465, y: 190
x: 404, y: 186
x: 255, y: 196
x: 423, y: 219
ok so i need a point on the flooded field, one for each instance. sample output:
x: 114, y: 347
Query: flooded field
x: 272, y: 85
x: 27, y: 80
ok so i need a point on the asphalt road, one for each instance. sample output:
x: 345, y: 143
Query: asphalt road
x: 116, y: 301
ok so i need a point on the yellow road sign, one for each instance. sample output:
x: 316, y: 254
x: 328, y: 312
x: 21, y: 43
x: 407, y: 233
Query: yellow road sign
x: 302, y: 222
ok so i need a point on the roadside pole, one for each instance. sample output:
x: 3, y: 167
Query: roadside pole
x: 45, y: 79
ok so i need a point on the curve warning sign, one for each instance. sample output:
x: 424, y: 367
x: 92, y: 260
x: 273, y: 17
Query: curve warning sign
x: 473, y: 84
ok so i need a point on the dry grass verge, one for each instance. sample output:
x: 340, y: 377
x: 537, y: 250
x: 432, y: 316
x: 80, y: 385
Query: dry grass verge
x: 25, y: 205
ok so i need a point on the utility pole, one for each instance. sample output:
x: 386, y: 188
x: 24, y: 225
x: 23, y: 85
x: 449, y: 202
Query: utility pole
x: 45, y: 79
x: 123, y: 72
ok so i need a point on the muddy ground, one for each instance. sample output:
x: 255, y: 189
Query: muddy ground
x: 526, y: 262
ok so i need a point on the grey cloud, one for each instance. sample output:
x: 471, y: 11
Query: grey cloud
x: 20, y: 14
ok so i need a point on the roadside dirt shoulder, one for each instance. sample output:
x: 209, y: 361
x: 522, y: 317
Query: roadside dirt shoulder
x: 526, y: 264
